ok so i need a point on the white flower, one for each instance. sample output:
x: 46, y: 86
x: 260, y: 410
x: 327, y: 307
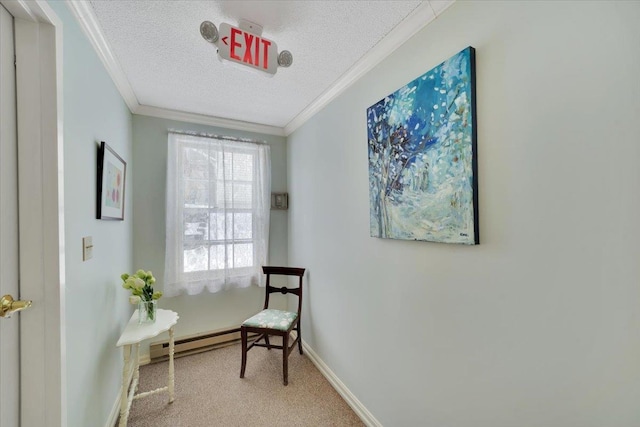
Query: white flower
x: 134, y: 283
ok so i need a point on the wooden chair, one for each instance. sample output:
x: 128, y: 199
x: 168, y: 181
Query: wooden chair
x: 275, y: 322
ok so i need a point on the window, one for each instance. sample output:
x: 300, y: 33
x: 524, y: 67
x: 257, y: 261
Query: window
x: 218, y: 194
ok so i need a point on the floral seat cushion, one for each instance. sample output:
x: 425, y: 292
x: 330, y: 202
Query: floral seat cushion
x: 274, y: 319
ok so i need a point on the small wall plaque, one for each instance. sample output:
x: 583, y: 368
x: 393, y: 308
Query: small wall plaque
x: 280, y: 201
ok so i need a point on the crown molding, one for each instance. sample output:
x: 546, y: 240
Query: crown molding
x: 163, y: 113
x: 426, y: 12
x: 439, y: 6
x: 88, y: 21
x: 414, y: 22
x: 20, y: 9
x: 85, y: 16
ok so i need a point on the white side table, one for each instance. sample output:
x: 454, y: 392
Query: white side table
x: 133, y: 334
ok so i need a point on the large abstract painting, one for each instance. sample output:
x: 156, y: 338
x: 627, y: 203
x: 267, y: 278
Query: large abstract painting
x: 422, y: 157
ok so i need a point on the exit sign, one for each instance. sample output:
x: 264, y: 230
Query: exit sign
x: 243, y: 47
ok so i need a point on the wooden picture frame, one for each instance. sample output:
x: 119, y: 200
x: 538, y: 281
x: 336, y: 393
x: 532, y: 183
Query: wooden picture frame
x: 112, y: 172
x: 279, y: 201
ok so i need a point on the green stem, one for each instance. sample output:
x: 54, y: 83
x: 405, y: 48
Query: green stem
x: 148, y: 304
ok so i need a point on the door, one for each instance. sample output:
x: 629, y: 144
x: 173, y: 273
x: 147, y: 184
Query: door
x: 32, y: 391
x: 9, y: 327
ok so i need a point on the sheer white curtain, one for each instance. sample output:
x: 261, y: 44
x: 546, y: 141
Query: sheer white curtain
x: 218, y: 205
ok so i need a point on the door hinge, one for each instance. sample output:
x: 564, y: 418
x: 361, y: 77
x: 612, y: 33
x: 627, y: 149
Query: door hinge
x: 15, y: 61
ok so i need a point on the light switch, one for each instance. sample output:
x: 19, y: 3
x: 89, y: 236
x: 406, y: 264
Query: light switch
x: 87, y: 248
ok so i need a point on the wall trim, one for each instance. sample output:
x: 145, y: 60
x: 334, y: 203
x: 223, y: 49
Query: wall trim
x: 143, y: 359
x: 39, y: 107
x: 88, y: 21
x: 163, y: 113
x: 115, y: 412
x: 418, y: 19
x: 357, y: 406
x: 414, y: 22
x: 89, y: 24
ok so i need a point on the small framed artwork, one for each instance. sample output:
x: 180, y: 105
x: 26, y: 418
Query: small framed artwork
x: 112, y: 172
x: 279, y: 201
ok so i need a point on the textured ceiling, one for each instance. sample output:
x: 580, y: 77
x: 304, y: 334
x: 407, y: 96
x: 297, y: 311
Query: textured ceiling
x: 168, y: 64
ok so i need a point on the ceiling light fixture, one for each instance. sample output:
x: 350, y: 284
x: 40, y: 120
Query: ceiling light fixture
x: 209, y: 31
x: 285, y: 58
x: 245, y: 45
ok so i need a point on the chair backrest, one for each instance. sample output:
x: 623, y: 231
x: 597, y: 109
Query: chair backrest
x: 283, y: 271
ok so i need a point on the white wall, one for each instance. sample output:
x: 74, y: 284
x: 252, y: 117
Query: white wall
x: 204, y: 312
x: 96, y: 305
x: 539, y: 325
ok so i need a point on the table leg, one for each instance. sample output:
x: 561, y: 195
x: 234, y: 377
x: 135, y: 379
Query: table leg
x: 136, y: 375
x: 171, y: 369
x: 124, y: 394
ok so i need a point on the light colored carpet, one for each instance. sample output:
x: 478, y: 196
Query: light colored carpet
x: 210, y: 392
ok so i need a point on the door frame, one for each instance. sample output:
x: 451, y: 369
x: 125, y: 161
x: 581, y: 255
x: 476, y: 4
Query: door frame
x: 38, y: 39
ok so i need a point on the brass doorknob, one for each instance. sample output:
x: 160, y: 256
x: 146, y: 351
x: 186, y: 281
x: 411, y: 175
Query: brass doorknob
x: 8, y: 305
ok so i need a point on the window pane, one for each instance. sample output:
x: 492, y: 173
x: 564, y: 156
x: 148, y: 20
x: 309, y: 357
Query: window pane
x: 227, y: 166
x: 234, y: 195
x: 217, y: 260
x: 195, y: 225
x: 237, y: 166
x: 242, y: 195
x: 195, y: 163
x: 229, y: 249
x: 216, y: 222
x: 243, y: 255
x: 229, y: 228
x: 220, y: 195
x: 196, y: 193
x: 228, y: 195
x: 242, y: 167
x: 195, y: 259
x: 242, y: 226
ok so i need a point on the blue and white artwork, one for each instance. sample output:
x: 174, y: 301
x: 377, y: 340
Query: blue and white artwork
x: 422, y: 157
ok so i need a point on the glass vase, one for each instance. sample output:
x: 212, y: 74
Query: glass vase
x: 146, y: 311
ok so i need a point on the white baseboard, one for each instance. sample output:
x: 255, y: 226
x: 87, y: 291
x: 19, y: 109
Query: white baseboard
x: 357, y: 406
x: 115, y: 411
x: 144, y: 359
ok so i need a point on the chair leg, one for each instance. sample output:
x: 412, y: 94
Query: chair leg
x: 299, y: 330
x: 285, y: 358
x: 266, y: 340
x: 243, y: 334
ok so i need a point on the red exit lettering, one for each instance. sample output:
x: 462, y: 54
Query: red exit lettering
x: 251, y: 48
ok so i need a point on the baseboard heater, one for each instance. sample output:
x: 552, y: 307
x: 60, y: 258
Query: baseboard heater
x: 192, y: 344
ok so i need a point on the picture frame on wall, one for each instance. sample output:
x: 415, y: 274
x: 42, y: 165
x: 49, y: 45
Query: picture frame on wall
x: 112, y: 172
x: 280, y: 201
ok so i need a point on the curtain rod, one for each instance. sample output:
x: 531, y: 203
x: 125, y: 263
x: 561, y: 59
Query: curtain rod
x: 215, y: 136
